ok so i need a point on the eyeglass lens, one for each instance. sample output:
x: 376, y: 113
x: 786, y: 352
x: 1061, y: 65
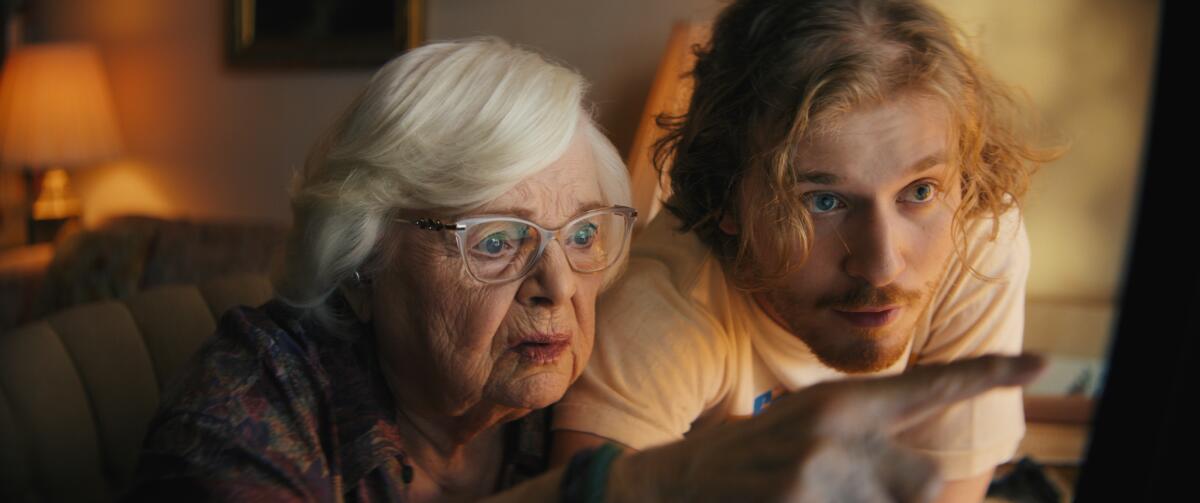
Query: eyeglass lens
x: 505, y: 249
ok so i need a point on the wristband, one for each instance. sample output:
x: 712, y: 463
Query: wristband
x: 586, y: 476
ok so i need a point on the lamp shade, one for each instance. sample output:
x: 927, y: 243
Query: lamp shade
x: 55, y: 108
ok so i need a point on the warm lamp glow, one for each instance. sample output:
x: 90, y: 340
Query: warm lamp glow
x: 122, y: 188
x: 56, y: 199
x: 55, y: 108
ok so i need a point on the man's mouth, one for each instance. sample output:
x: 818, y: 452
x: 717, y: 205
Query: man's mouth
x: 870, y: 317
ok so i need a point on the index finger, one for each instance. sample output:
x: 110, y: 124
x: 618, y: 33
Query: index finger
x: 902, y: 400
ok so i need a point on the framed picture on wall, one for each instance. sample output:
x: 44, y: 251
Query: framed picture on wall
x: 321, y: 33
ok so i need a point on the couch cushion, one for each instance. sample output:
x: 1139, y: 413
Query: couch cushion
x: 16, y: 480
x: 78, y: 389
x: 50, y: 415
x: 228, y: 292
x: 173, y: 321
x: 103, y: 342
x: 14, y: 463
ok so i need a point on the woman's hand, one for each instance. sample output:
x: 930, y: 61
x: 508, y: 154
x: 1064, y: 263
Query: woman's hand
x: 828, y: 442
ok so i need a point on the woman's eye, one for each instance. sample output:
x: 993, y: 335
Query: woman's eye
x: 584, y: 235
x: 922, y: 192
x: 823, y: 202
x: 493, y: 244
x: 500, y: 240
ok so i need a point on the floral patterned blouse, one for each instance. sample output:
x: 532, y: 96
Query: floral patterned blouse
x: 273, y: 408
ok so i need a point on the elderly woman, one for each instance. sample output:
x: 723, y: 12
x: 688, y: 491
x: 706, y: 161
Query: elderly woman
x: 452, y: 233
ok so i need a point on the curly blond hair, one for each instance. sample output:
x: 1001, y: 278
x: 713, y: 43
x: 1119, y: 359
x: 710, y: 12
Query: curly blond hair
x: 777, y: 71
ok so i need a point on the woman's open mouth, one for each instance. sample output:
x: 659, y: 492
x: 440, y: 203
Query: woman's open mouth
x: 542, y: 348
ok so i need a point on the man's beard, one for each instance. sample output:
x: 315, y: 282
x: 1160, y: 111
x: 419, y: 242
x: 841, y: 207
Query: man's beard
x: 856, y: 350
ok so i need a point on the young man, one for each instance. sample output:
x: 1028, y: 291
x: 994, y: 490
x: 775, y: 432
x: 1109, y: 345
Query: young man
x: 845, y: 203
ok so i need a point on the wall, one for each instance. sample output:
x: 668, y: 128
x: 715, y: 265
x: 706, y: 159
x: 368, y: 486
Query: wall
x: 615, y: 44
x: 204, y: 141
x: 1086, y: 65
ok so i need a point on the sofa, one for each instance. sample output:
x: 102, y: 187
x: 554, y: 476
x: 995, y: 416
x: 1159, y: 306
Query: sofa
x: 125, y: 255
x: 78, y: 388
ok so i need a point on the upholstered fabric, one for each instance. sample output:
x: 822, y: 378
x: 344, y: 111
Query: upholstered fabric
x: 178, y: 310
x: 78, y: 388
x: 129, y: 254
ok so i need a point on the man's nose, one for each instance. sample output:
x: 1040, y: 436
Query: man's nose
x: 874, y: 248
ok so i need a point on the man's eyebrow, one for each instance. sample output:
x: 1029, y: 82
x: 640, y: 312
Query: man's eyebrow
x: 927, y: 162
x: 818, y: 178
x: 825, y: 178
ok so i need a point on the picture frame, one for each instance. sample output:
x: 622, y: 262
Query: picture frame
x: 314, y: 34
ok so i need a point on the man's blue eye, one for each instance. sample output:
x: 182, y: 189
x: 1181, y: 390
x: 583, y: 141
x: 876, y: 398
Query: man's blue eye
x: 823, y: 202
x: 923, y: 192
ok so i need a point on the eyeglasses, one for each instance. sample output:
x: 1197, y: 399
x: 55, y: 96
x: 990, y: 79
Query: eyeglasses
x: 498, y: 249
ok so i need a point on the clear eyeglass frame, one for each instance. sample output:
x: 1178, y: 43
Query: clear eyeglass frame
x: 462, y: 228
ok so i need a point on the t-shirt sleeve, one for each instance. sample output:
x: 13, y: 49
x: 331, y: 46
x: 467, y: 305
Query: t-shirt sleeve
x: 974, y: 316
x: 658, y: 363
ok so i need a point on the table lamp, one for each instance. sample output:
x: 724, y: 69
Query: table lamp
x: 56, y: 113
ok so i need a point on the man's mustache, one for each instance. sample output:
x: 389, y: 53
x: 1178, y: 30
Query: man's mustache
x: 866, y: 296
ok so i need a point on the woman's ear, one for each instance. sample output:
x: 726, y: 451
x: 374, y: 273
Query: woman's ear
x: 358, y: 296
x: 728, y: 225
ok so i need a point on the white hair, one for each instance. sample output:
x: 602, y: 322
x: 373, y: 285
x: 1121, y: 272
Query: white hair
x: 447, y: 126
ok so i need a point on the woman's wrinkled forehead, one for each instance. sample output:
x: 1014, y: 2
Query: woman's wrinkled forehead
x: 565, y: 188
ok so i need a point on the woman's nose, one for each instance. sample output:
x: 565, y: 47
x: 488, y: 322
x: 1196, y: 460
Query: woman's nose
x: 551, y: 282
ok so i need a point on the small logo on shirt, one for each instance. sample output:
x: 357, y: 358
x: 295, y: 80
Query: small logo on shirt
x: 761, y: 402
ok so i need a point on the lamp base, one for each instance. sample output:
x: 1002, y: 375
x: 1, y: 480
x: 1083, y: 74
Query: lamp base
x: 51, y: 206
x: 45, y: 231
x: 33, y: 180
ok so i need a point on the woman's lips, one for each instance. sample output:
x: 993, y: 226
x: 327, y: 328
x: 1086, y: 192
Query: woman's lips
x: 542, y: 348
x: 541, y: 353
x: 873, y: 318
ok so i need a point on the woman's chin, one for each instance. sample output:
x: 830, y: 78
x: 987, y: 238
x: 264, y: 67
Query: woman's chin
x: 535, y: 390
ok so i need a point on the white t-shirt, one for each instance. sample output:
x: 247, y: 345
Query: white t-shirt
x: 678, y: 349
